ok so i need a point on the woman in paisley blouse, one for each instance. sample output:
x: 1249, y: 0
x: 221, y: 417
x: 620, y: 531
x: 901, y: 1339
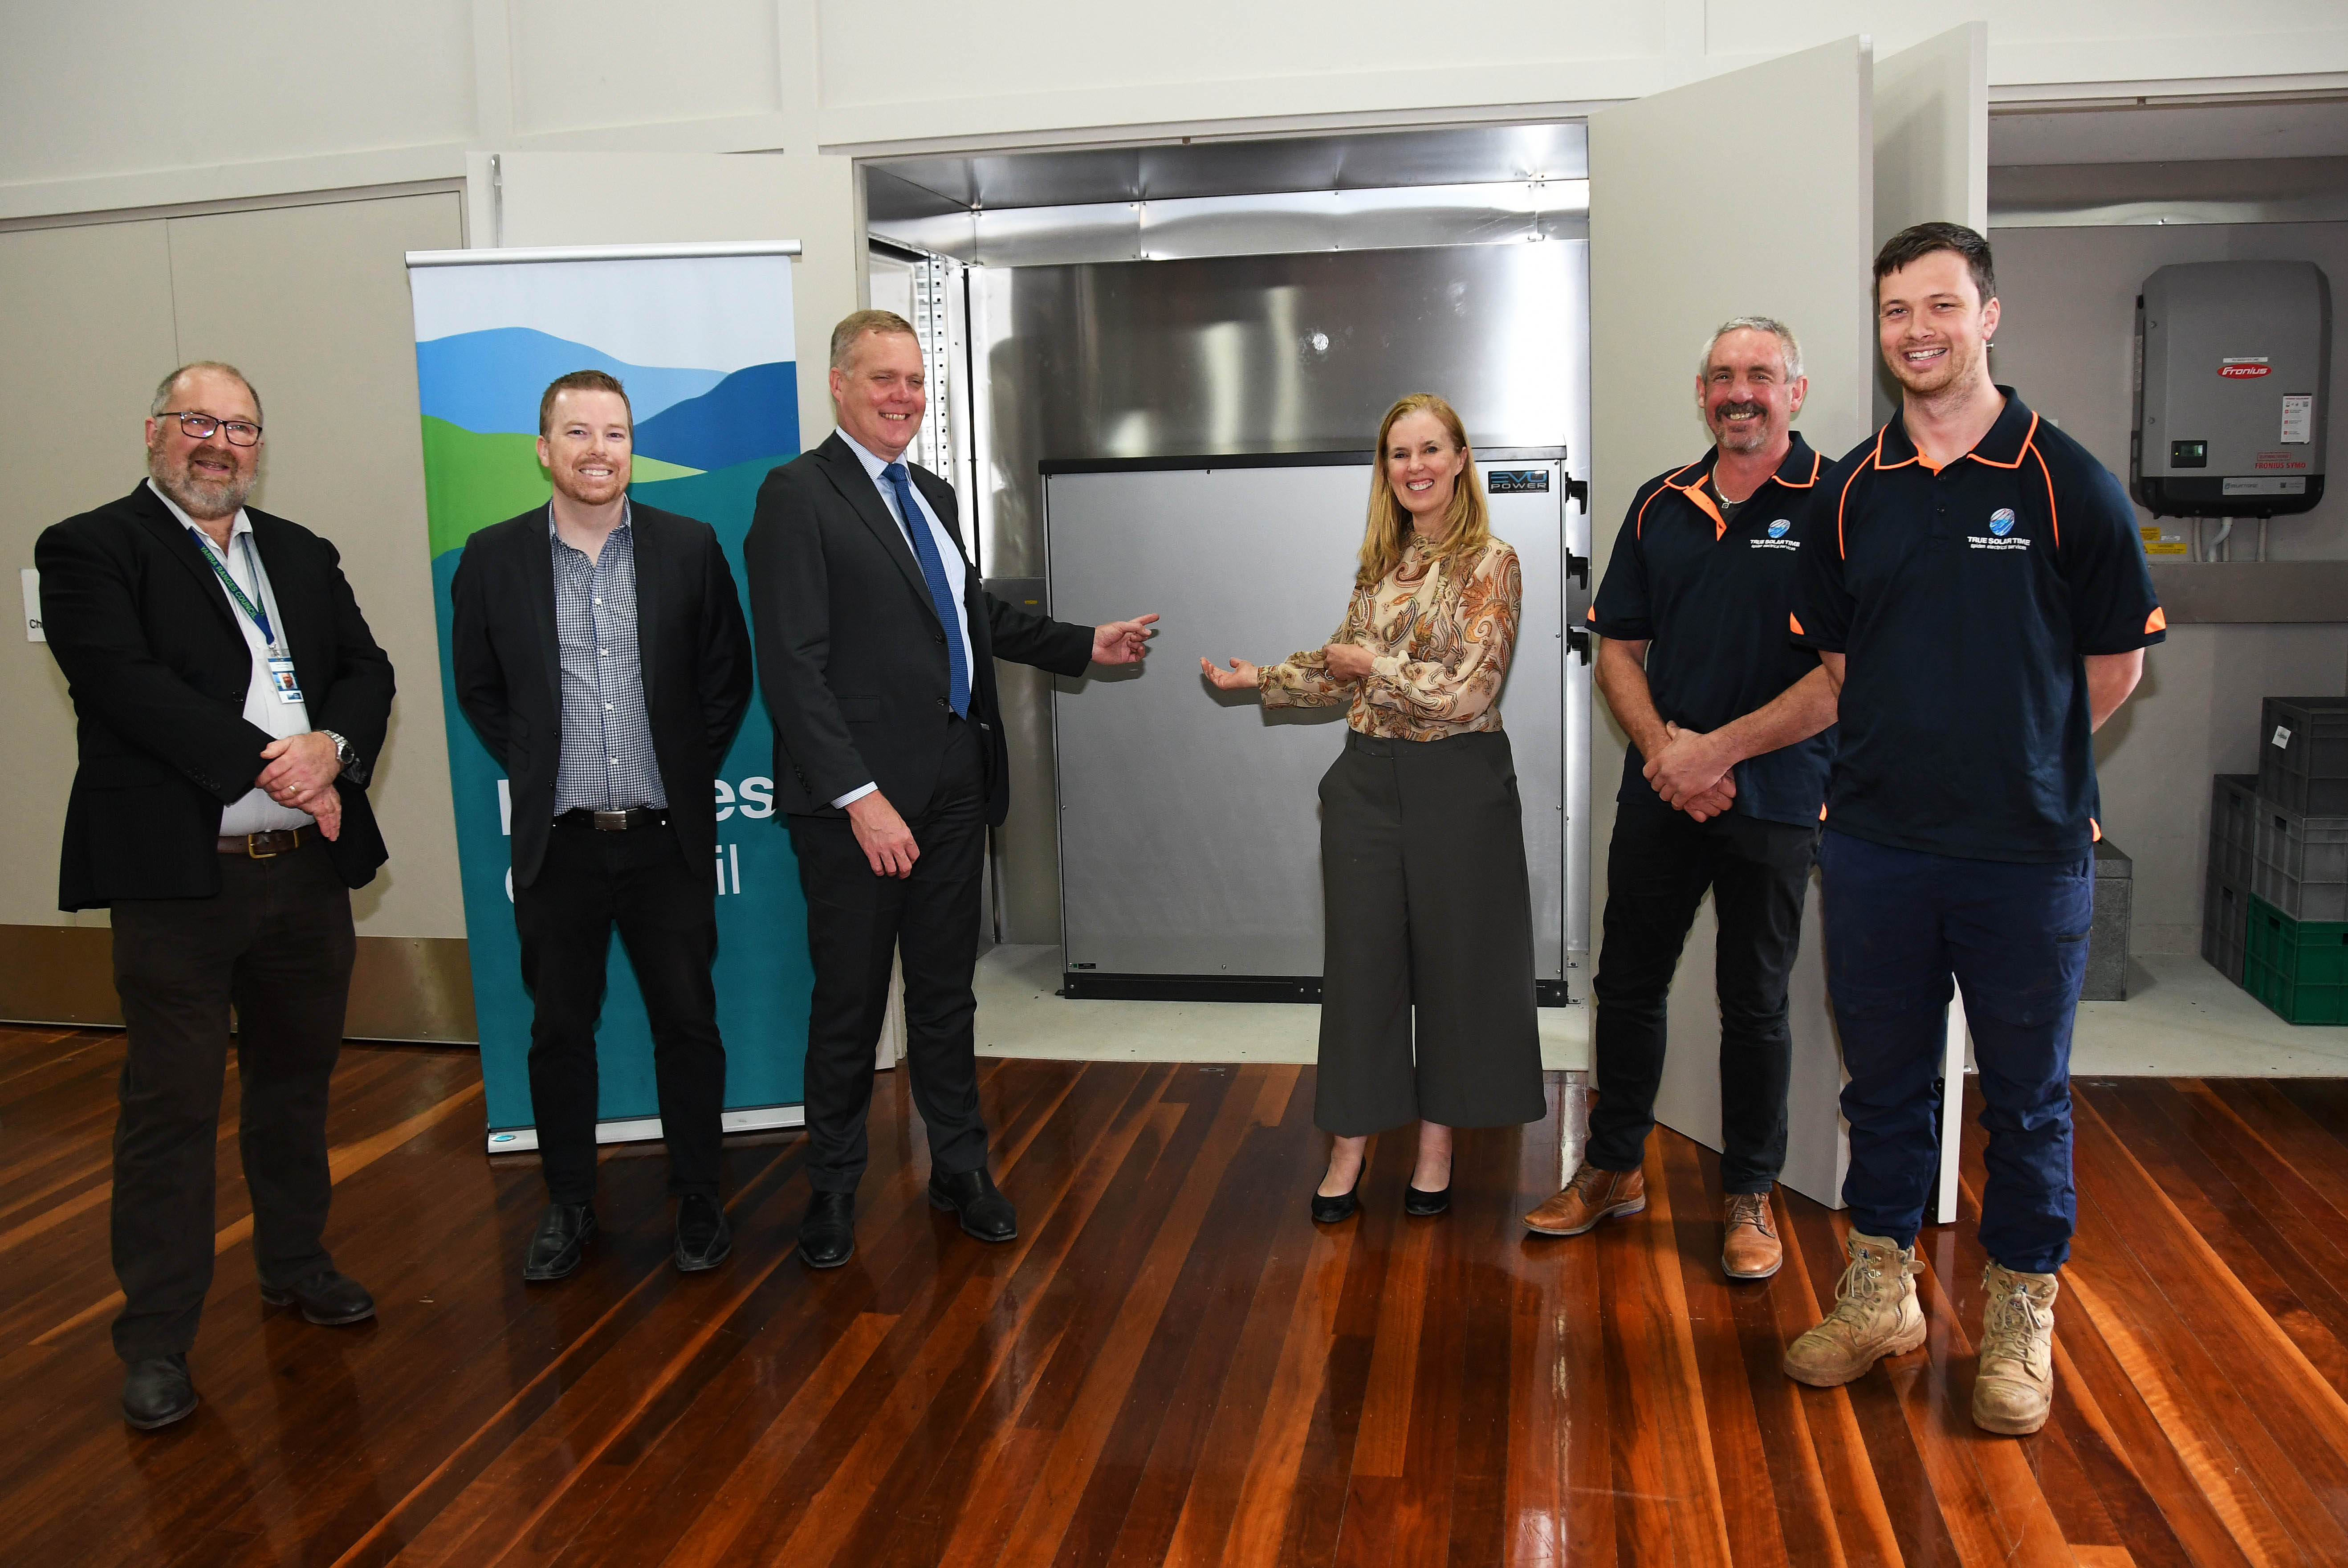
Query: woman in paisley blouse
x: 1428, y: 905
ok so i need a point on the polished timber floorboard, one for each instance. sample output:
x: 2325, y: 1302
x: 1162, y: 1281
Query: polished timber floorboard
x: 1171, y: 1365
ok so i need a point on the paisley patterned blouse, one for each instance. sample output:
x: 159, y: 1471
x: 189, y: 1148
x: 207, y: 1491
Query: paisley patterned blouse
x: 1439, y: 636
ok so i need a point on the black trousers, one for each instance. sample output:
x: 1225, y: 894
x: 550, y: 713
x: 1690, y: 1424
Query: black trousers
x: 1657, y: 870
x: 856, y: 924
x: 1428, y: 910
x: 667, y: 910
x: 276, y: 942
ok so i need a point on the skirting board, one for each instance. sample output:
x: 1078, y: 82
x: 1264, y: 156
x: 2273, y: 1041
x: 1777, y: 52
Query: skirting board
x: 647, y: 1128
x: 402, y: 987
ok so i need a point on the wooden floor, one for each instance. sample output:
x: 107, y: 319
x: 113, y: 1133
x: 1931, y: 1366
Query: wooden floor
x: 1172, y: 1365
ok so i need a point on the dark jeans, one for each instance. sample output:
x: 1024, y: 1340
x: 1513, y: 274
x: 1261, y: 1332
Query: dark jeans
x: 667, y: 910
x: 275, y: 941
x: 1899, y: 924
x: 1657, y: 870
x: 856, y: 924
x: 1428, y: 910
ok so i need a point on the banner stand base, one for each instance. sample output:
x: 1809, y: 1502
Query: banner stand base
x: 647, y: 1128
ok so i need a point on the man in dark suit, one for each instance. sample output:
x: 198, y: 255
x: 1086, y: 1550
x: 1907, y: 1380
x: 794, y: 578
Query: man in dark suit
x: 877, y: 646
x: 231, y: 702
x: 600, y: 651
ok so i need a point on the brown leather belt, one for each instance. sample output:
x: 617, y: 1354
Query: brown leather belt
x: 262, y: 846
x: 614, y: 821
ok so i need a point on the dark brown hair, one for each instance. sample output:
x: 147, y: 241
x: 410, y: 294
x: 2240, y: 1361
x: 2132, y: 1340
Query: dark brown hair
x: 581, y: 381
x: 1918, y: 240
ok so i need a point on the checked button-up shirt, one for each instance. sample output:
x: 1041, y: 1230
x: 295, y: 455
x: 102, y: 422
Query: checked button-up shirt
x: 607, y: 736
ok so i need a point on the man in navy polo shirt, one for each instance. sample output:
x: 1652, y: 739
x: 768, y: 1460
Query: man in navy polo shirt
x: 1730, y: 742
x: 1979, y: 600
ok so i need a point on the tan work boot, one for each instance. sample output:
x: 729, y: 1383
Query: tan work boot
x: 2016, y: 1385
x: 1592, y: 1195
x: 1750, y: 1249
x: 1875, y: 1316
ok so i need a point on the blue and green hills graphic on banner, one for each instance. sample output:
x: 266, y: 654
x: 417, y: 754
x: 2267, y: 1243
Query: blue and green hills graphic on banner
x: 479, y: 392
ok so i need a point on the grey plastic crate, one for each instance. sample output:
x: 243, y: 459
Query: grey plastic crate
x: 2302, y: 864
x: 2234, y: 825
x: 2303, y: 756
x: 2225, y: 916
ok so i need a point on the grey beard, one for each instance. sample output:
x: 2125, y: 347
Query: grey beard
x: 198, y: 498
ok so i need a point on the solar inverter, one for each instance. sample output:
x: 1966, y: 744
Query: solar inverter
x: 2233, y: 363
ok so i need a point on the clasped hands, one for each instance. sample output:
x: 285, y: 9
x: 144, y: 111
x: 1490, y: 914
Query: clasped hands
x: 300, y: 774
x: 1693, y: 772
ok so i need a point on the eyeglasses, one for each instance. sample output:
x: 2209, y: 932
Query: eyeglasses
x: 200, y: 428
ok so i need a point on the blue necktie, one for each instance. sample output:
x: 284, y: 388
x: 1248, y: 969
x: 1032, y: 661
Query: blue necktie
x: 934, y: 573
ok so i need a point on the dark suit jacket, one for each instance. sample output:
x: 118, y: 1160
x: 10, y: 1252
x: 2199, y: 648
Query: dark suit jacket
x: 694, y: 648
x: 852, y: 655
x: 159, y: 669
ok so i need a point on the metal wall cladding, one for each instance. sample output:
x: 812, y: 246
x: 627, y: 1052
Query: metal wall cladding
x: 1298, y: 352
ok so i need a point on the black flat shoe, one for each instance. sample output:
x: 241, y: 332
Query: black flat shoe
x: 985, y: 1213
x: 827, y: 1234
x: 703, y: 1236
x: 1415, y: 1202
x: 1329, y: 1211
x: 560, y: 1245
x: 326, y: 1297
x: 157, y: 1392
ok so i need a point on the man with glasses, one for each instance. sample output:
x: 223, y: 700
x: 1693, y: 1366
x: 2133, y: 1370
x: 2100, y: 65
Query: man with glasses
x: 231, y: 703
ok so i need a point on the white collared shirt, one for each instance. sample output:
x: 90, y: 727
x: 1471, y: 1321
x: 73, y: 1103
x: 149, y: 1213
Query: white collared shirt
x: 255, y: 812
x: 948, y: 550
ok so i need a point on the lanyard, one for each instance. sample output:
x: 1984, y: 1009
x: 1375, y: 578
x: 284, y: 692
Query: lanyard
x: 260, y: 616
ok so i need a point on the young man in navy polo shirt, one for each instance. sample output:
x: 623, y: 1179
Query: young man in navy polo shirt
x: 1729, y: 748
x: 1979, y: 600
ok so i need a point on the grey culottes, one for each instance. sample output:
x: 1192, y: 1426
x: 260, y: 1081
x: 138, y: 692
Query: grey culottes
x: 1428, y: 908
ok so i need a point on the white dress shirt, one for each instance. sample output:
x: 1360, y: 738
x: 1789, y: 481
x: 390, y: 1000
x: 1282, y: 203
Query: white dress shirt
x: 255, y: 812
x: 949, y: 551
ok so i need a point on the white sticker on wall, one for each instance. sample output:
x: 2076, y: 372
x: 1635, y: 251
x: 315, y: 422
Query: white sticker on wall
x: 2298, y: 421
x: 33, y: 633
x: 2282, y: 738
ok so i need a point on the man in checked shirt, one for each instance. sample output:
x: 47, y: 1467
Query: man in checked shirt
x: 631, y: 615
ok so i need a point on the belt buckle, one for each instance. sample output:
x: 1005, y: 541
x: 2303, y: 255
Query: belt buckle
x: 611, y: 821
x: 253, y: 849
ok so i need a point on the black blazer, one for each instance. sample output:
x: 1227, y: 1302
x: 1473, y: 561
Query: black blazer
x: 694, y: 651
x: 159, y: 669
x: 852, y: 656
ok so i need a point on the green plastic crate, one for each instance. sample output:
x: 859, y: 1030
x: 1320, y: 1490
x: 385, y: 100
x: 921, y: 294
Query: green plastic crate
x: 2299, y: 968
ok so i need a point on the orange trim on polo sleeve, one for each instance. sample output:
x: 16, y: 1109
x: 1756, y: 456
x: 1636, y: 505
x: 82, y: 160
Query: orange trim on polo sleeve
x: 1795, y: 622
x: 2096, y: 828
x: 1591, y: 615
x: 2156, y: 622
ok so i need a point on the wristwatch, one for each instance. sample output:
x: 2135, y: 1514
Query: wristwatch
x: 345, y: 754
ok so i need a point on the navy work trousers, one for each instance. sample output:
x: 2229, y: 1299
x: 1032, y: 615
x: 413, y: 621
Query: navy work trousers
x: 1899, y: 924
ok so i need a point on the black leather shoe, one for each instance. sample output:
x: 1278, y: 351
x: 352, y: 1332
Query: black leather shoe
x: 326, y: 1297
x: 1415, y: 1202
x: 1329, y: 1211
x: 703, y: 1236
x: 985, y: 1213
x: 827, y: 1234
x: 560, y: 1245
x: 158, y: 1392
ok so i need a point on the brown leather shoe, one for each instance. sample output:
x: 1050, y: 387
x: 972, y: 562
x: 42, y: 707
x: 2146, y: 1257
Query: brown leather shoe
x: 1750, y: 1248
x: 1592, y: 1195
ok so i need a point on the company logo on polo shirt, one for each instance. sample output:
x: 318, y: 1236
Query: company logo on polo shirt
x: 2001, y: 521
x: 2001, y: 525
x: 1777, y: 528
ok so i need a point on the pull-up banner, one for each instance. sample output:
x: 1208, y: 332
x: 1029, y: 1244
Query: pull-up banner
x: 701, y: 338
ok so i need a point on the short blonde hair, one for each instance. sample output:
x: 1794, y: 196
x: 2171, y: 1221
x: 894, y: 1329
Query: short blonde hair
x: 855, y: 324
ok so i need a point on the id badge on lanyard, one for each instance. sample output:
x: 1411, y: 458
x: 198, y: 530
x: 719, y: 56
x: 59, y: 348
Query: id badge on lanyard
x: 281, y: 678
x: 283, y: 681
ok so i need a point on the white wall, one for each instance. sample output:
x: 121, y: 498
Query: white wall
x: 124, y: 104
x: 2065, y: 345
